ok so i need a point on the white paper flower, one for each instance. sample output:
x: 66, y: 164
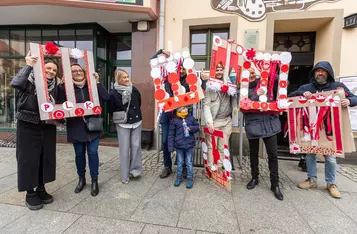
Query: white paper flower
x: 76, y: 53
x: 283, y: 103
x: 332, y: 101
x: 294, y: 148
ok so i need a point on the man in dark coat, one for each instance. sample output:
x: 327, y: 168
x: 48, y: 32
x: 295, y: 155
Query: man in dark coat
x: 322, y: 79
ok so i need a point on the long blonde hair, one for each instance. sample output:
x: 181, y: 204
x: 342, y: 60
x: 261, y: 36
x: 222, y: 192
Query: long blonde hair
x: 119, y: 73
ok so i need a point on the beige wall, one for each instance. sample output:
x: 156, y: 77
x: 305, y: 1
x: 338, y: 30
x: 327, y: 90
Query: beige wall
x: 333, y: 43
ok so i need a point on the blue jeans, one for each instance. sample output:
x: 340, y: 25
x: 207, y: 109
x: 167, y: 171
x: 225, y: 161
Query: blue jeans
x: 330, y: 168
x: 165, y: 124
x: 184, y: 155
x: 93, y: 157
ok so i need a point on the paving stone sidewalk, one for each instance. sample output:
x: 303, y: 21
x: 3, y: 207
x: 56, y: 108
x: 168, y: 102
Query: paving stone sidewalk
x: 154, y: 205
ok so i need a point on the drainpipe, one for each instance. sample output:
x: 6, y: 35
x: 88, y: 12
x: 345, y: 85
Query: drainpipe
x: 161, y: 46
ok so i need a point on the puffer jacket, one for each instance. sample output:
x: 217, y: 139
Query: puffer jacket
x: 331, y: 84
x: 176, y: 136
x: 260, y: 125
x: 211, y: 104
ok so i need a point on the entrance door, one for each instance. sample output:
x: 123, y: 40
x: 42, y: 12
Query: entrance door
x: 302, y: 47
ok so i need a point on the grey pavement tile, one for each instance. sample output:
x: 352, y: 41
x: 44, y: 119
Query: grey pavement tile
x: 348, y: 204
x: 156, y: 229
x: 8, y: 182
x: 260, y: 212
x: 320, y: 213
x: 90, y: 224
x: 208, y: 208
x: 116, y: 200
x: 9, y: 213
x: 65, y: 198
x: 43, y: 221
x: 162, y: 204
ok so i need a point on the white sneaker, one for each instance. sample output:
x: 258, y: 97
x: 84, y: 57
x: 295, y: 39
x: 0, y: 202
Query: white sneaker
x: 213, y: 168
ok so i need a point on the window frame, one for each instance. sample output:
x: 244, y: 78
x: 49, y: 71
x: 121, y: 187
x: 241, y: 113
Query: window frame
x: 209, y: 38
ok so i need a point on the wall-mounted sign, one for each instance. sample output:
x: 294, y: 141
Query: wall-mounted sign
x: 351, y: 21
x: 132, y: 2
x: 251, y: 38
x: 256, y: 10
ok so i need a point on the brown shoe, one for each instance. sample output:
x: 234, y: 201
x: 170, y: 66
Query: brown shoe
x: 332, y: 188
x: 308, y: 184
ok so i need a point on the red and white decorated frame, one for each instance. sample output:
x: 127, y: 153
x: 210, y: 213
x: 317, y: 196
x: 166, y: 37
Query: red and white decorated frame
x: 263, y: 62
x: 228, y: 55
x: 162, y: 67
x: 219, y: 176
x: 318, y: 125
x: 70, y: 108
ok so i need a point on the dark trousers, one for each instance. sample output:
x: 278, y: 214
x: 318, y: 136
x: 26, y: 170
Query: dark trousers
x: 80, y: 149
x: 271, y: 148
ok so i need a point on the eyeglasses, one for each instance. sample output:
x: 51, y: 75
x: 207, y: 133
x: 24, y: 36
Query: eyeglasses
x: 77, y: 71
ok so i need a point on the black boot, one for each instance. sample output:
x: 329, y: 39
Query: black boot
x: 33, y: 201
x: 81, y: 184
x: 94, y: 188
x: 43, y: 195
x: 275, y: 189
x: 252, y: 183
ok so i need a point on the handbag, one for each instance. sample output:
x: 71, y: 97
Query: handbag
x: 120, y: 117
x: 94, y: 124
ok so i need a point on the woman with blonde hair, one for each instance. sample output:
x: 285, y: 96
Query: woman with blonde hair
x: 124, y: 105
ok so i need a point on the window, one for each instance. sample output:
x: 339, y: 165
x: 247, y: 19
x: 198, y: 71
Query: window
x: 201, y: 45
x: 294, y: 42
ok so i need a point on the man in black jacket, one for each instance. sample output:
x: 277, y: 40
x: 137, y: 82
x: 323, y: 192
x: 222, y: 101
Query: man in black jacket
x: 322, y: 79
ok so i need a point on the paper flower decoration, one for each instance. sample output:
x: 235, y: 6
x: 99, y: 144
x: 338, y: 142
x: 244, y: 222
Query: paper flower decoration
x: 245, y: 104
x: 224, y: 88
x: 250, y: 54
x: 294, y: 148
x: 51, y: 49
x: 332, y: 101
x: 76, y: 53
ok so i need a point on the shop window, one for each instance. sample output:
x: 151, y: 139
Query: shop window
x: 201, y: 45
x: 295, y: 42
x: 4, y: 42
x: 49, y: 36
x: 123, y: 47
x: 84, y: 39
x: 17, y: 39
x: 8, y: 95
x: 66, y: 38
x: 33, y: 36
x: 101, y: 45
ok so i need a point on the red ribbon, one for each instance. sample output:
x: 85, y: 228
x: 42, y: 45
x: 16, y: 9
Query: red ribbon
x: 292, y: 125
x: 338, y: 135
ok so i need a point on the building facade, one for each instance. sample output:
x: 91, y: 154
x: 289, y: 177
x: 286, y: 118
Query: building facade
x: 108, y: 28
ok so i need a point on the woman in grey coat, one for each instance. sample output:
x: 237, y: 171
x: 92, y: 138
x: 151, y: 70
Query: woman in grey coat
x: 265, y: 126
x: 125, y: 97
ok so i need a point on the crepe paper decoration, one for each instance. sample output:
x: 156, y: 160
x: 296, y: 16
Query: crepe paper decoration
x: 225, y: 54
x: 165, y: 69
x: 70, y: 108
x: 76, y: 53
x: 267, y: 65
x: 222, y: 177
x: 51, y: 49
x: 321, y: 126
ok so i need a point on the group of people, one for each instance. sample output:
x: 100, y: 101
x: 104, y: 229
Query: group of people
x: 36, y: 139
x: 217, y: 112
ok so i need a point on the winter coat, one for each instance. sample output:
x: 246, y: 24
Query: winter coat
x: 116, y: 104
x: 36, y: 140
x: 176, y: 136
x: 331, y: 84
x: 211, y: 104
x: 27, y: 104
x: 260, y: 125
x: 76, y: 127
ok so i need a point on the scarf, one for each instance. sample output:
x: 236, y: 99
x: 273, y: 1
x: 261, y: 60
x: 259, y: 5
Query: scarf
x: 182, y: 115
x: 124, y: 91
x: 79, y: 84
x: 51, y: 83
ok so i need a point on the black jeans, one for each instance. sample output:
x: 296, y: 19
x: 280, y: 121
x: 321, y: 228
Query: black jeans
x: 271, y: 148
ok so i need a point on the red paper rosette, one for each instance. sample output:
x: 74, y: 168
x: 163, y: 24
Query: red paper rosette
x: 250, y: 54
x: 224, y: 88
x: 246, y: 104
x: 51, y: 49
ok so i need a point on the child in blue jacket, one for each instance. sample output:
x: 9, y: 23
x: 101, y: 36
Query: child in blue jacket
x: 181, y: 136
